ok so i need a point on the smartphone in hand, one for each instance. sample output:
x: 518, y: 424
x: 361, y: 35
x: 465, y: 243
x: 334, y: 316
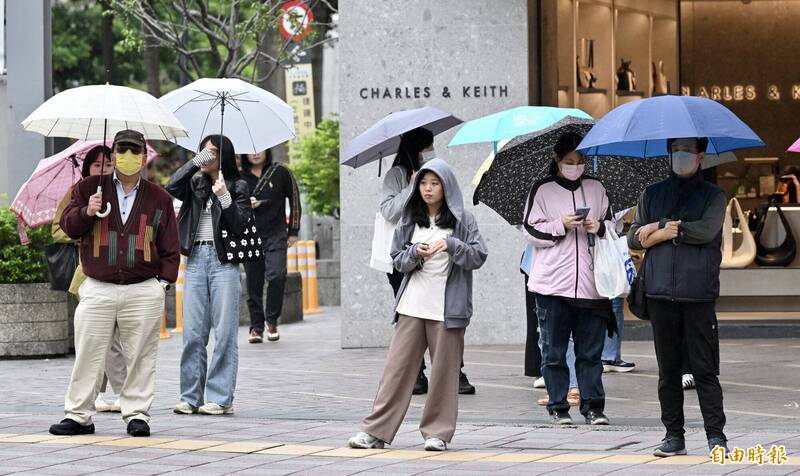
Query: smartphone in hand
x: 583, y: 212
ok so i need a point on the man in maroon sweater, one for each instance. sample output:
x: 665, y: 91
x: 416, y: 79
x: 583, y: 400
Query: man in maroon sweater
x: 129, y: 257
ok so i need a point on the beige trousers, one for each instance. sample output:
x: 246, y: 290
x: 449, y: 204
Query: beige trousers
x: 116, y: 370
x: 411, y: 337
x: 134, y: 309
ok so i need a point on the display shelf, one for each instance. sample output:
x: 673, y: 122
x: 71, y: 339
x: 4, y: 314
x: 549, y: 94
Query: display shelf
x: 641, y: 31
x: 640, y: 94
x: 592, y: 91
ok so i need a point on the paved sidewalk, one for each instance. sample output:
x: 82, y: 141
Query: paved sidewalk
x: 298, y: 401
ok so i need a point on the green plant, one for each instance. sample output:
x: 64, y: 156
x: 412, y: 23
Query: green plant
x: 315, y: 163
x: 19, y: 263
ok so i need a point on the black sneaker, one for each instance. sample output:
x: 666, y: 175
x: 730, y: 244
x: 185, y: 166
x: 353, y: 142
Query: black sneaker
x: 715, y: 441
x: 137, y: 427
x: 421, y: 385
x: 561, y: 417
x: 671, y: 446
x: 464, y: 387
x: 71, y: 427
x: 596, y: 417
x: 619, y: 366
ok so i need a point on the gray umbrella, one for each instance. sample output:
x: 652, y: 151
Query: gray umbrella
x: 383, y: 138
x: 505, y: 186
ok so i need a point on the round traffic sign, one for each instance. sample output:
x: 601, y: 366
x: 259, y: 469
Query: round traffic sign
x: 295, y: 23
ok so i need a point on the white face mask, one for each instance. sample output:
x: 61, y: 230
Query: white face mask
x: 427, y: 155
x: 572, y: 172
x: 684, y: 164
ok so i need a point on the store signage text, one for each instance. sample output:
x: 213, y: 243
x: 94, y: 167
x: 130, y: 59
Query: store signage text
x: 741, y: 92
x: 425, y: 92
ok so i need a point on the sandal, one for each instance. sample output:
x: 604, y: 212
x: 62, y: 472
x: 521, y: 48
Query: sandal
x: 574, y: 397
x: 544, y: 400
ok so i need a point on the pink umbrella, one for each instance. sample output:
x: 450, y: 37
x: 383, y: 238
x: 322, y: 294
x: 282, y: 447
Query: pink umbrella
x: 38, y: 198
x: 794, y: 147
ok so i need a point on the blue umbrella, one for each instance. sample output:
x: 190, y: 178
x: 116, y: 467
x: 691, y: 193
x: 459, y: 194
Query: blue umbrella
x: 511, y: 123
x: 641, y: 128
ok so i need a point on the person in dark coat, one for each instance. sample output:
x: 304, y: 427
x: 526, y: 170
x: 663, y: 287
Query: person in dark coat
x: 679, y: 222
x: 271, y: 185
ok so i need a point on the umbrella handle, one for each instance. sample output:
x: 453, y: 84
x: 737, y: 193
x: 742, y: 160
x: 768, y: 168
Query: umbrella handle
x: 105, y: 212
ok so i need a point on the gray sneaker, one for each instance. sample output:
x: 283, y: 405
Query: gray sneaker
x: 671, y: 446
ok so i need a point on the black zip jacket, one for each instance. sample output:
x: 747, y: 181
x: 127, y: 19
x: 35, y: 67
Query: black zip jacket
x: 271, y: 214
x: 193, y: 188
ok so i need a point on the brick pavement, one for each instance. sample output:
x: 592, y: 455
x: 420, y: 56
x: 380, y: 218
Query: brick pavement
x: 298, y: 401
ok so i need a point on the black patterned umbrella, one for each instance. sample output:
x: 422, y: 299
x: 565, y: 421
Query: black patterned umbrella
x: 517, y: 166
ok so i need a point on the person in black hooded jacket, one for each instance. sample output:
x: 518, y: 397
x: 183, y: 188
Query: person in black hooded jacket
x: 679, y: 222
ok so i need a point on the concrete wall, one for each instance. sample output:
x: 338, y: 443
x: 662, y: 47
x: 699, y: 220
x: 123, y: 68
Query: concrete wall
x: 28, y: 84
x: 452, y: 44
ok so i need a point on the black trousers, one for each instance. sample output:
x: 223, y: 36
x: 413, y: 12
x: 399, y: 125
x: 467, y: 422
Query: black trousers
x: 533, y: 355
x: 396, y: 279
x: 271, y: 270
x: 680, y: 327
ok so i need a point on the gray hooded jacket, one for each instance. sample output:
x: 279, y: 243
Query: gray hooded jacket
x: 465, y: 246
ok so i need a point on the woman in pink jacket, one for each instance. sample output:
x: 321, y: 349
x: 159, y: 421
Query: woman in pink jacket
x: 564, y: 212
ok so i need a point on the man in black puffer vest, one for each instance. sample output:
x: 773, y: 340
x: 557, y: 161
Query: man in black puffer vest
x: 679, y: 222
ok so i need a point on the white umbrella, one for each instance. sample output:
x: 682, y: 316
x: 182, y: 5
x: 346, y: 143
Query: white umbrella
x: 253, y: 119
x: 99, y: 111
x: 383, y: 138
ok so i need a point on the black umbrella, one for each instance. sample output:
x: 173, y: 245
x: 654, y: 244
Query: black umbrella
x: 517, y: 166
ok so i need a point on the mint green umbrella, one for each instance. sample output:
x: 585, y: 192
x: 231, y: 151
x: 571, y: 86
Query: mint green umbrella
x: 511, y: 123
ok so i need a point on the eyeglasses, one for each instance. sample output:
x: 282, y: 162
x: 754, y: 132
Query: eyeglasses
x: 121, y: 148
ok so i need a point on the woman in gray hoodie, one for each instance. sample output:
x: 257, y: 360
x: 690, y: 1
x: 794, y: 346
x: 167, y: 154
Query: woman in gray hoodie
x: 436, y: 245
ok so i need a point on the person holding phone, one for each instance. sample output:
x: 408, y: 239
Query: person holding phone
x: 563, y: 213
x: 436, y: 246
x: 212, y: 194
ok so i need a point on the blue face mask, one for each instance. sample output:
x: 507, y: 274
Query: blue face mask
x: 684, y: 164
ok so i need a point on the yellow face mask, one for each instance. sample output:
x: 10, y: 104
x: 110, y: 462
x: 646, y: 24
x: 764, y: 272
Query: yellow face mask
x: 129, y: 163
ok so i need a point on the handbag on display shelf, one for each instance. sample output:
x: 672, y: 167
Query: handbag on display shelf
x: 626, y: 78
x: 585, y: 63
x: 783, y: 254
x: 746, y: 253
x: 660, y: 84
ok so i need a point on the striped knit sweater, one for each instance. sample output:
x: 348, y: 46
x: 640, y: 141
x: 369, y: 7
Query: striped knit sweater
x: 145, y: 247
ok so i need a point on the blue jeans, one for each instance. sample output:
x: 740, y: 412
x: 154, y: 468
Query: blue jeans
x: 210, y: 300
x: 557, y: 320
x: 612, y: 349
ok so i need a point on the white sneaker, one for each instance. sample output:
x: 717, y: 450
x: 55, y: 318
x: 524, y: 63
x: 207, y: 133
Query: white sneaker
x: 215, y: 409
x: 688, y: 381
x: 183, y: 408
x: 539, y: 383
x: 115, y: 407
x: 365, y: 441
x: 435, y: 444
x: 100, y: 404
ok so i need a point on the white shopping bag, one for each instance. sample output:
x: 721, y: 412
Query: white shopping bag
x: 382, y: 245
x: 613, y: 267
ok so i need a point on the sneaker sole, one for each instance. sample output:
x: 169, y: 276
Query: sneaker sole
x: 256, y: 341
x: 435, y: 448
x: 183, y: 412
x: 602, y: 421
x: 273, y: 339
x: 356, y: 446
x: 664, y: 454
x: 215, y: 413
